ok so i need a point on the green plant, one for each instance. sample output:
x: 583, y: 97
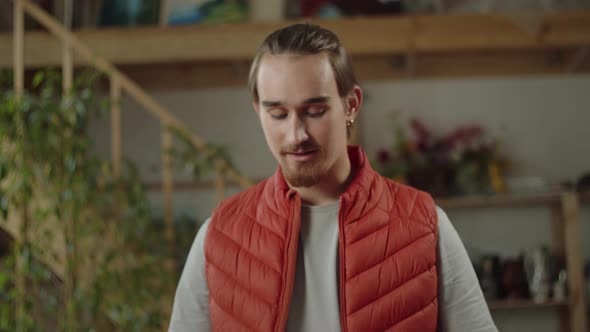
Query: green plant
x: 84, y: 255
x: 189, y: 158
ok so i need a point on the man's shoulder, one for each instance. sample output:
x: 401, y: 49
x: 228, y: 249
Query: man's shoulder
x: 409, y: 191
x: 412, y: 202
x: 241, y: 199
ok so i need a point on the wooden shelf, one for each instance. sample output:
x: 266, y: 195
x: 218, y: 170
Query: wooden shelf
x: 454, y: 202
x: 460, y: 202
x: 362, y: 36
x: 382, y: 47
x: 524, y: 304
x: 188, y: 185
x: 500, y: 200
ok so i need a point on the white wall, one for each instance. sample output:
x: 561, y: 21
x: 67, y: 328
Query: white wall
x: 536, y: 119
x: 542, y: 123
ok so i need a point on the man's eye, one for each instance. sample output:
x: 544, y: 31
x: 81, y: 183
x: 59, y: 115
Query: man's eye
x: 278, y: 115
x: 316, y: 112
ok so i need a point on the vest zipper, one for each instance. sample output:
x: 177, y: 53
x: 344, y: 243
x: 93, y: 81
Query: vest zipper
x: 290, y: 262
x: 342, y: 275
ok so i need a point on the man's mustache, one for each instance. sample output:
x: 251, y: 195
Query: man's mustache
x: 306, y: 146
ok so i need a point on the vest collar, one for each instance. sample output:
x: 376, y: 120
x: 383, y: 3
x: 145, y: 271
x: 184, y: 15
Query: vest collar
x: 362, y: 188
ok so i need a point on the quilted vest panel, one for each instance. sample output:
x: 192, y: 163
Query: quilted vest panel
x: 388, y: 277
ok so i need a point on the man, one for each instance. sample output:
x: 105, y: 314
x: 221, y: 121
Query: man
x: 326, y: 243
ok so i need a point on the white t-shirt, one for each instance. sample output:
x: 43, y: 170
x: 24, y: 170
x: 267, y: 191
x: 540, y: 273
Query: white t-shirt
x: 314, y: 303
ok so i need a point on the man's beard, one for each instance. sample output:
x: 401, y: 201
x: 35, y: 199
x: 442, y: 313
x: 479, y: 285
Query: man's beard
x: 308, y: 173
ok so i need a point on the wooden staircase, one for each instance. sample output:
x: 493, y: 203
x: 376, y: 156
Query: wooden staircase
x: 120, y: 84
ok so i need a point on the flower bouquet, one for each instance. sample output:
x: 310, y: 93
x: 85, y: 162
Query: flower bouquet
x: 464, y: 161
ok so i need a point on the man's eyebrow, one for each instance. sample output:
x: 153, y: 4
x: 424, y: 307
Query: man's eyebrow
x: 312, y: 100
x: 269, y: 104
x: 317, y: 100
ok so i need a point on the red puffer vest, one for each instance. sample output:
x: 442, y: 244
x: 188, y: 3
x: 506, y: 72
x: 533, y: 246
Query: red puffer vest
x: 387, y: 238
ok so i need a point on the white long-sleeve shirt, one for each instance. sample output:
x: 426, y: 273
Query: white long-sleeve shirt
x: 314, y: 303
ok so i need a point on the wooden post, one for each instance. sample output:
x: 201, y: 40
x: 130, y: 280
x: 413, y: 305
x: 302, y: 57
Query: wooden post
x: 167, y: 184
x: 558, y: 231
x: 164, y: 6
x: 67, y: 67
x: 116, y: 125
x: 220, y: 185
x: 573, y: 253
x: 67, y: 70
x: 18, y: 51
x: 167, y: 188
x: 20, y: 239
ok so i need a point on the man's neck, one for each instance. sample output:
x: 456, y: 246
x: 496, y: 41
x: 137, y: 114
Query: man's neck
x: 330, y: 187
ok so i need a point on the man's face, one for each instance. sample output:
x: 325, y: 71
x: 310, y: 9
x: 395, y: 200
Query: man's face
x: 302, y: 116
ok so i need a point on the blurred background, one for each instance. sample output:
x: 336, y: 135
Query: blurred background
x: 123, y: 123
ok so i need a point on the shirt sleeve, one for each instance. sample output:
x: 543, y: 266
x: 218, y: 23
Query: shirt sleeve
x: 462, y: 306
x: 190, y: 311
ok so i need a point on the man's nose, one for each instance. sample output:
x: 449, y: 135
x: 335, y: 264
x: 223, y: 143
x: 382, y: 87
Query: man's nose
x: 297, y: 131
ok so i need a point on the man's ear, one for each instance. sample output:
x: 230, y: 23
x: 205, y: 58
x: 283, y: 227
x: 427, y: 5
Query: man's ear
x: 354, y: 102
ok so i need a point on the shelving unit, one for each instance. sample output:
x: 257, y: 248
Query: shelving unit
x: 525, y: 304
x: 382, y: 47
x: 566, y: 232
x: 501, y: 200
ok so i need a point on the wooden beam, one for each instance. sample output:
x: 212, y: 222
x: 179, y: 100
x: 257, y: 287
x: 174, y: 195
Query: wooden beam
x: 167, y: 183
x: 188, y: 185
x: 524, y: 304
x: 519, y: 62
x: 558, y: 234
x: 569, y: 29
x: 500, y: 200
x: 468, y: 64
x: 581, y: 56
x: 574, y: 262
x: 220, y: 186
x: 182, y: 75
x: 21, y: 234
x: 67, y: 60
x: 167, y: 189
x: 17, y: 60
x: 116, y: 126
x: 368, y: 68
x: 163, y: 15
x: 558, y: 229
x: 361, y: 35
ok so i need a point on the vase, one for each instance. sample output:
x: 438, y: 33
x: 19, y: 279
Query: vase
x: 537, y: 270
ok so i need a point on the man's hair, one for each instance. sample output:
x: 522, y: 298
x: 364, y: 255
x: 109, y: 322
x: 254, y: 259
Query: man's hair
x: 305, y: 39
